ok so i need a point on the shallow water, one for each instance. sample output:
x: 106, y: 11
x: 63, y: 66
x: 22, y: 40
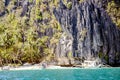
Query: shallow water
x: 63, y: 74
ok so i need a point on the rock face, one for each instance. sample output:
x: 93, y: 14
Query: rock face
x: 88, y: 32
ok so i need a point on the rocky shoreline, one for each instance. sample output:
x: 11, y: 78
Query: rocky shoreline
x: 40, y: 67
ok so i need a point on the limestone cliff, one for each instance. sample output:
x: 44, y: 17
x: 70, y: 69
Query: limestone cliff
x: 32, y: 29
x: 89, y: 32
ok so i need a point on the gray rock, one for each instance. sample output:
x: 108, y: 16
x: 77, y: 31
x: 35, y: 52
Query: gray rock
x: 90, y: 32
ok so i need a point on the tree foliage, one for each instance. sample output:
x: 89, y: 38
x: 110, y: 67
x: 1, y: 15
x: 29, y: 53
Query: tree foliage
x: 113, y: 10
x: 27, y: 38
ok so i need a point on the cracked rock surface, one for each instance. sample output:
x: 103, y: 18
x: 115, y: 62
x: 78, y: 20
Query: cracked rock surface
x: 90, y: 33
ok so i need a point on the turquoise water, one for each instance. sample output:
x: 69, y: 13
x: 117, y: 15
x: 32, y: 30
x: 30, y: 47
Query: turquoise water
x: 63, y: 74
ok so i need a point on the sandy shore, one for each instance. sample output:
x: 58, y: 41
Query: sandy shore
x: 34, y: 67
x: 37, y: 67
x: 21, y: 68
x: 40, y: 67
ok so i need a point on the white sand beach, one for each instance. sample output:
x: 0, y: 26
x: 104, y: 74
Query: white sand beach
x: 21, y: 68
x: 34, y: 67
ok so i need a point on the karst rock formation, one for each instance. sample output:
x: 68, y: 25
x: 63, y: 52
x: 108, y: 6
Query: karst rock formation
x: 89, y: 32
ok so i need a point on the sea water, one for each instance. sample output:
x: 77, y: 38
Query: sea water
x: 63, y: 74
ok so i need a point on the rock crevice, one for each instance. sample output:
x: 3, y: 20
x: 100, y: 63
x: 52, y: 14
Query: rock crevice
x: 90, y: 31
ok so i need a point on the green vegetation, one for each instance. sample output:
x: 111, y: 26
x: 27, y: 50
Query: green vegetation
x: 26, y: 38
x: 83, y: 34
x: 2, y: 7
x: 69, y: 5
x: 113, y: 10
x: 70, y: 54
x: 80, y: 1
x: 30, y: 34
